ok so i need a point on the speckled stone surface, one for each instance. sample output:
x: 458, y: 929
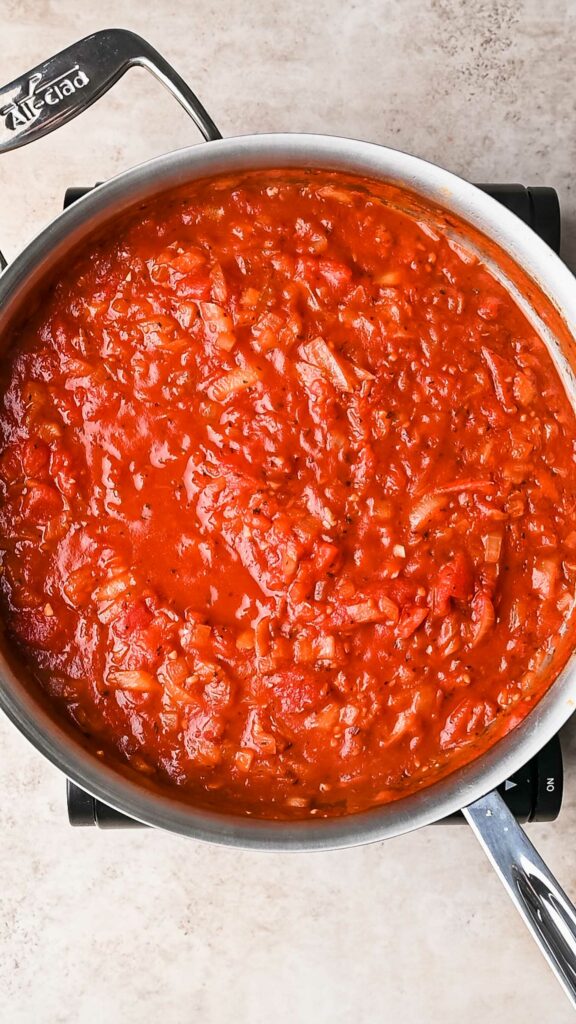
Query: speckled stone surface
x: 134, y: 928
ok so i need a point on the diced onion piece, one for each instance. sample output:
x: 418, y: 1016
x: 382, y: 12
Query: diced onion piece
x: 108, y: 611
x: 349, y: 714
x: 483, y: 616
x: 245, y: 640
x: 545, y: 577
x: 390, y: 279
x: 206, y: 753
x: 264, y: 740
x: 207, y: 670
x: 243, y: 760
x: 502, y: 373
x: 136, y: 680
x: 218, y: 325
x: 325, y: 648
x: 466, y: 720
x: 186, y: 314
x: 428, y: 230
x: 338, y: 370
x: 339, y: 194
x: 112, y: 588
x: 78, y: 586
x: 262, y: 637
x: 382, y: 508
x: 491, y: 511
x: 178, y: 694
x: 48, y: 430
x: 411, y: 618
x: 449, y: 637
x: 364, y: 611
x: 183, y: 261
x: 281, y: 649
x: 325, y: 719
x: 517, y: 615
x: 346, y: 589
x: 516, y: 472
x: 304, y: 651
x: 289, y: 560
x: 233, y: 383
x: 516, y: 505
x: 200, y: 634
x: 265, y: 332
x: 250, y: 298
x: 524, y: 390
x: 492, y: 547
x: 363, y: 374
x: 219, y: 288
x: 541, y: 660
x: 78, y: 368
x: 308, y: 374
x: 569, y: 570
x: 317, y: 507
x: 298, y: 801
x: 141, y: 765
x: 461, y: 486
x: 565, y: 602
x: 490, y: 307
x: 425, y: 509
x: 164, y: 332
x: 335, y: 273
x: 35, y: 396
x: 388, y: 608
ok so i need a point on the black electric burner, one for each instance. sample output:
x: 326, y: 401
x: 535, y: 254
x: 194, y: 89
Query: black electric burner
x: 535, y: 792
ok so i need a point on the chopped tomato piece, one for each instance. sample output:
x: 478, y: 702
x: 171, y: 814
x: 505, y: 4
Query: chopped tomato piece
x: 41, y: 501
x: 135, y: 617
x: 454, y: 582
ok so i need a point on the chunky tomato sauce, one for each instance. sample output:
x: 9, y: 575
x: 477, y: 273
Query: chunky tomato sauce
x: 288, y: 489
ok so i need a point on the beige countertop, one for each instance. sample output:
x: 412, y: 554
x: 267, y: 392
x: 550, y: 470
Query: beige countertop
x: 135, y: 928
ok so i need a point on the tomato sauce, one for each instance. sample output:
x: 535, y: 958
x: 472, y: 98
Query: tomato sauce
x: 288, y: 489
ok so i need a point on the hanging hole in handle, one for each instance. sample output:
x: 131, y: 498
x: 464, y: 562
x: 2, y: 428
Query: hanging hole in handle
x: 64, y: 85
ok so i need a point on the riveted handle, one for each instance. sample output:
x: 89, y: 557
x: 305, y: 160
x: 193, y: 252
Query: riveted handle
x: 64, y: 85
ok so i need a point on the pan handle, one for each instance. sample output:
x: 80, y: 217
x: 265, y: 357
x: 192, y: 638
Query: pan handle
x: 64, y: 85
x: 545, y: 907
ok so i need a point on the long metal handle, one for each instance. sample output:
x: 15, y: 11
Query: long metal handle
x: 64, y: 85
x: 545, y: 907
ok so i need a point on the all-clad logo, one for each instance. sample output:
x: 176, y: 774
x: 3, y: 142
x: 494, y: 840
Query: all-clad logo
x: 20, y: 113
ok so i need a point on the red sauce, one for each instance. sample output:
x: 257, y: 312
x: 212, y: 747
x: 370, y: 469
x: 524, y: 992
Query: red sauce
x: 288, y: 487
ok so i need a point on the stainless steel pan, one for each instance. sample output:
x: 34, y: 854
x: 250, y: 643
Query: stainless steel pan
x: 51, y: 95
